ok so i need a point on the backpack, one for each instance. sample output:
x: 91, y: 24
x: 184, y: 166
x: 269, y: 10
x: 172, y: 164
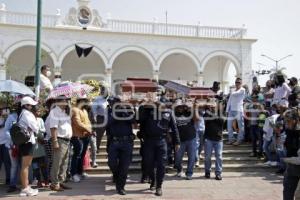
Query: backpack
x: 19, y: 134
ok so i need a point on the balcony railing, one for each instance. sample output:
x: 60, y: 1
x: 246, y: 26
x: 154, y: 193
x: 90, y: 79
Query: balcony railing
x: 175, y: 29
x: 18, y: 18
x: 154, y: 28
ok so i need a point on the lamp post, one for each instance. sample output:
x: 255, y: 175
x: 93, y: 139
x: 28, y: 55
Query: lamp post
x: 38, y: 49
x: 262, y: 72
x: 276, y: 61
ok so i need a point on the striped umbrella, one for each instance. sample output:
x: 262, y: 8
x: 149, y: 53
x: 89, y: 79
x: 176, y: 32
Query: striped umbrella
x: 69, y: 90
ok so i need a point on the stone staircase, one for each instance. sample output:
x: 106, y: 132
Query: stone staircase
x: 235, y: 159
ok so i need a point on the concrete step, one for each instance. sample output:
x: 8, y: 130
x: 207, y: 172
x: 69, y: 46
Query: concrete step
x: 226, y: 153
x: 137, y: 144
x: 227, y: 160
x: 135, y: 168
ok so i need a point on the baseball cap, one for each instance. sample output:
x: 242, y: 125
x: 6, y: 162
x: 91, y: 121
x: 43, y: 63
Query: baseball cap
x: 293, y: 79
x: 28, y: 101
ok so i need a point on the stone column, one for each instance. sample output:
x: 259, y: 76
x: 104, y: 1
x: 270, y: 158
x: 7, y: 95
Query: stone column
x: 58, y: 18
x: 108, y: 73
x: 2, y: 13
x: 200, y: 79
x: 246, y: 64
x: 156, y: 74
x: 225, y: 86
x: 2, y: 69
x: 57, y: 75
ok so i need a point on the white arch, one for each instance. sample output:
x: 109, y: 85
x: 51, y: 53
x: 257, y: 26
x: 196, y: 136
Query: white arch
x: 225, y: 54
x: 138, y: 49
x: 24, y: 43
x: 185, y: 52
x: 71, y: 48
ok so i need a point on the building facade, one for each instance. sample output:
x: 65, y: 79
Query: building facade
x: 121, y: 48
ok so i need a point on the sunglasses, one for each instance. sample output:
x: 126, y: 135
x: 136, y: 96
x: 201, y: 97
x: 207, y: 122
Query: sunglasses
x: 237, y: 82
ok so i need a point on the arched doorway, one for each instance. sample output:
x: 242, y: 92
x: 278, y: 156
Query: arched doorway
x: 178, y: 65
x: 76, y: 68
x: 131, y: 64
x: 21, y: 62
x: 221, y: 67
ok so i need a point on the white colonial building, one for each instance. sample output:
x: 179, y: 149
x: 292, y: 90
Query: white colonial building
x: 121, y: 48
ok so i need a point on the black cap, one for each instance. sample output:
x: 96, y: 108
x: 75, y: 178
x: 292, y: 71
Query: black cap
x: 293, y: 79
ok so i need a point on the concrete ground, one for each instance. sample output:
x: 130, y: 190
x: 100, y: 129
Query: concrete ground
x: 234, y: 186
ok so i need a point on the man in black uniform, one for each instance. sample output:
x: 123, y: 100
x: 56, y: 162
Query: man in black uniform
x: 120, y: 142
x: 157, y: 120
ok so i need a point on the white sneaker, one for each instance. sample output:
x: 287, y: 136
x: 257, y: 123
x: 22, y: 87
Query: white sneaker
x: 84, y: 175
x: 273, y: 164
x: 28, y: 192
x: 267, y: 163
x: 179, y: 174
x: 76, y: 178
x: 94, y: 165
x: 188, y: 177
x: 34, y: 182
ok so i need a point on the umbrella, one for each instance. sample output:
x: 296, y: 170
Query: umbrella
x: 70, y: 89
x: 11, y: 86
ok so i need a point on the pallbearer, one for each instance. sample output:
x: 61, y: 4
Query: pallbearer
x: 157, y: 120
x: 120, y: 141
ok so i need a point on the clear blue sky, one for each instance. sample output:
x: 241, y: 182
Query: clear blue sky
x: 275, y: 23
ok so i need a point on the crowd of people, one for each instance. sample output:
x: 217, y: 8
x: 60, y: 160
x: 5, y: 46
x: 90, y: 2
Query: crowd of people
x: 167, y: 129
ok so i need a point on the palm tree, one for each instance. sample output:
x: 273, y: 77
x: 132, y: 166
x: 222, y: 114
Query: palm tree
x: 277, y: 71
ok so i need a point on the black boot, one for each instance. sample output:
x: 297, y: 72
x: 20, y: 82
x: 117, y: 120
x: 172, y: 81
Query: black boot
x: 121, y: 191
x: 158, y: 192
x: 152, y: 185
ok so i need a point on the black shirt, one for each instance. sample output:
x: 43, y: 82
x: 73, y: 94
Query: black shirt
x: 213, y: 127
x: 156, y: 124
x: 186, y: 128
x: 292, y: 142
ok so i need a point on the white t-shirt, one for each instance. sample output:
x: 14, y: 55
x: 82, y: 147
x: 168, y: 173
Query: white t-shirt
x: 281, y: 94
x: 60, y: 120
x: 45, y: 83
x: 29, y: 121
x: 236, y: 100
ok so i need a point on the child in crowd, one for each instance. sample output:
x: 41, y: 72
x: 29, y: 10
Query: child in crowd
x: 262, y: 116
x: 256, y: 135
x: 280, y: 149
x: 39, y: 162
x: 268, y: 138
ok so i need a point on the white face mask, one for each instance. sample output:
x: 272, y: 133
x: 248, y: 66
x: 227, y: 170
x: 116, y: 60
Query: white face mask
x: 48, y: 73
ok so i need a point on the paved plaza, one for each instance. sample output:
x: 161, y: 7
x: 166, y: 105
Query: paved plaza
x: 234, y: 186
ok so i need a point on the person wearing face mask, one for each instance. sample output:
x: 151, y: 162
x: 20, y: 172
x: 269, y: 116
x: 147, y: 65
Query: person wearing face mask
x: 27, y: 120
x: 294, y: 97
x: 61, y: 133
x: 44, y: 78
x: 4, y: 153
x: 82, y: 130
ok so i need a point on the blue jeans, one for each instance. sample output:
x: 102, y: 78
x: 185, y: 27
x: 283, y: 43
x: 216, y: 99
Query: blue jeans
x: 234, y: 115
x: 5, y: 159
x: 281, y: 153
x: 217, y: 147
x: 189, y: 147
x: 266, y: 148
x: 15, y: 169
x: 80, y: 146
x: 199, y: 143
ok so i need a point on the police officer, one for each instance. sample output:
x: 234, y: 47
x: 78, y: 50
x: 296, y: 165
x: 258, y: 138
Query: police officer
x: 157, y: 120
x: 120, y: 142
